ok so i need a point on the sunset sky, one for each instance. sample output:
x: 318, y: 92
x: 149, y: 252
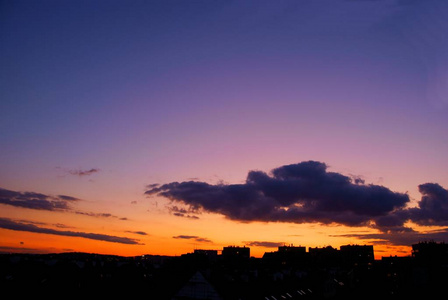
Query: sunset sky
x: 160, y: 127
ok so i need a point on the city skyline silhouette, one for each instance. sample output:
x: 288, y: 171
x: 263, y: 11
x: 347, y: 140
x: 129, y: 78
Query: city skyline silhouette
x: 291, y: 272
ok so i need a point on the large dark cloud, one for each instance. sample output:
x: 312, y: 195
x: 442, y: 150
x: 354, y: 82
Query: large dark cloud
x: 306, y: 192
x: 298, y: 193
x: 10, y: 224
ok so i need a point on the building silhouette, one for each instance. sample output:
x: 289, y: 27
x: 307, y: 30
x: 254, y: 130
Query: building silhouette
x: 325, y: 256
x: 236, y: 252
x: 357, y: 254
x: 348, y: 254
x: 210, y: 254
x: 430, y: 251
x: 291, y: 272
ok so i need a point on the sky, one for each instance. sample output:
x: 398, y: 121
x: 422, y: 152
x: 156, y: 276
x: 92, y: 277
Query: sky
x: 160, y: 127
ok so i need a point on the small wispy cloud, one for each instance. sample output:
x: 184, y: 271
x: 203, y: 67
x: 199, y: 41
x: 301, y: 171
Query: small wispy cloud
x: 194, y: 238
x: 100, y: 215
x: 80, y: 172
x: 152, y: 185
x: 33, y: 200
x: 39, y: 201
x: 264, y: 244
x: 137, y: 232
x: 189, y: 213
x: 10, y: 224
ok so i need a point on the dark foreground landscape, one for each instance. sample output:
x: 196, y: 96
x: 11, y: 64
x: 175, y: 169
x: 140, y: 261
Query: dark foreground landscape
x: 289, y: 273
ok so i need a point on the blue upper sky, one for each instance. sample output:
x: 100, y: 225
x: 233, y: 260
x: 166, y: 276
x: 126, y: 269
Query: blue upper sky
x: 110, y: 84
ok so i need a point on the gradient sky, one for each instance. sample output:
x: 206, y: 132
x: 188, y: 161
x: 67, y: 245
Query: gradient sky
x: 104, y: 105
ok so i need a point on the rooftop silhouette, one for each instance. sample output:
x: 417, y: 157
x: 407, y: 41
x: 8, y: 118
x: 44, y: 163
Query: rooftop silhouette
x: 291, y: 272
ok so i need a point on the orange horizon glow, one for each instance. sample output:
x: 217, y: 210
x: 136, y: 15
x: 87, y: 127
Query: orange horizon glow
x: 60, y: 245
x: 164, y: 242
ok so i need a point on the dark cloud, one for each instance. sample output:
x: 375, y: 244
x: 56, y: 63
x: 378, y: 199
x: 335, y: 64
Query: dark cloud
x: 138, y: 232
x: 83, y: 172
x: 432, y: 210
x: 402, y: 238
x: 99, y: 215
x: 299, y: 193
x: 433, y: 206
x: 183, y: 212
x: 68, y: 198
x: 34, y: 200
x: 29, y: 227
x: 60, y: 203
x: 186, y: 216
x: 264, y: 244
x: 203, y: 240
x: 193, y: 237
x: 175, y: 209
x: 306, y: 193
x: 185, y: 237
x: 59, y: 225
x: 151, y: 186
